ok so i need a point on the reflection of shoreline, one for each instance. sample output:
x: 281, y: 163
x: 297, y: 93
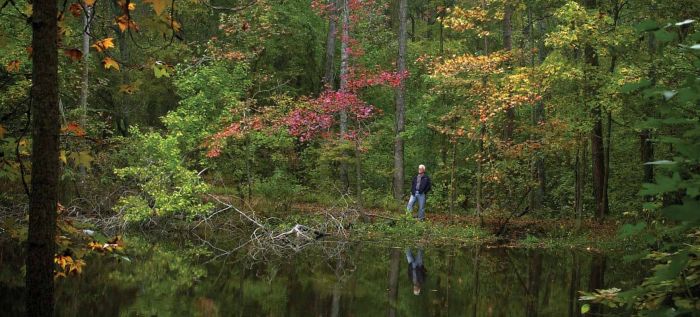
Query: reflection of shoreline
x: 360, y: 281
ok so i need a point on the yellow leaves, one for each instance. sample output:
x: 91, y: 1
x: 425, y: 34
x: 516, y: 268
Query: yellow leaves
x: 158, y: 5
x: 74, y: 54
x: 122, y: 4
x: 109, y: 62
x: 475, y: 65
x: 62, y: 157
x: 82, y: 158
x: 173, y: 24
x: 68, y: 265
x: 128, y: 89
x: 460, y: 19
x: 103, y: 44
x: 90, y: 3
x: 116, y: 244
x: 124, y: 22
x: 12, y: 66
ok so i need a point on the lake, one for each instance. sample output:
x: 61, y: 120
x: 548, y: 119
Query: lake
x: 183, y: 277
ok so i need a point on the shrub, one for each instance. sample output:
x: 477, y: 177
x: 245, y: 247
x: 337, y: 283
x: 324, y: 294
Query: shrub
x: 162, y: 186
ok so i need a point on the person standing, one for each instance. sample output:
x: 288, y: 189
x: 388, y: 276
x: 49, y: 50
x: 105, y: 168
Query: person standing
x: 419, y: 188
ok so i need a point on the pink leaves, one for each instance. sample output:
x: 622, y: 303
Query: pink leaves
x: 391, y: 79
x: 306, y: 124
x: 322, y: 112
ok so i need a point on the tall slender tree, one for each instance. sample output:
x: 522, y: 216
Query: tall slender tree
x: 328, y: 74
x: 597, y: 145
x: 344, y: 73
x: 399, y: 118
x: 508, y: 46
x: 87, y: 11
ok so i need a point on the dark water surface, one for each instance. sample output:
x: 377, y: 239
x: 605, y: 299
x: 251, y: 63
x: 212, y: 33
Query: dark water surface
x: 165, y: 278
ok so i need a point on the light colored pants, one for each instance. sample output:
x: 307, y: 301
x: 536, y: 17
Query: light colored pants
x: 421, y: 205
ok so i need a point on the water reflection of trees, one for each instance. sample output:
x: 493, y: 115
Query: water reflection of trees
x: 330, y: 279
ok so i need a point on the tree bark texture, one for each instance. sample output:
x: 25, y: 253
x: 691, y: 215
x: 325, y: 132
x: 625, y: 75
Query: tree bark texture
x: 43, y: 199
x: 399, y: 118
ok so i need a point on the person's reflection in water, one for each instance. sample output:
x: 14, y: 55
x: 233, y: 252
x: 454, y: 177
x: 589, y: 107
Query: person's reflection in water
x: 416, y: 270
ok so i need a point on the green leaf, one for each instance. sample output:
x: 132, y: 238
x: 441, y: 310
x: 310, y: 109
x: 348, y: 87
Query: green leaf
x: 585, y: 308
x: 629, y: 230
x: 674, y: 267
x: 160, y: 71
x: 647, y: 25
x: 630, y: 87
x: 688, y: 211
x: 664, y: 36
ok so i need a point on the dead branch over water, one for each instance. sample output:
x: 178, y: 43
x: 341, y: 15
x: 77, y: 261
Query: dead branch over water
x: 269, y: 237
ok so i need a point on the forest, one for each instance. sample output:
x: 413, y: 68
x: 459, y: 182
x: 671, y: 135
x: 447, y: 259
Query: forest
x: 256, y: 157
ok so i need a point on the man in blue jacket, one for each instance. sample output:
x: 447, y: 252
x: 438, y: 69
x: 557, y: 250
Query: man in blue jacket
x: 419, y: 187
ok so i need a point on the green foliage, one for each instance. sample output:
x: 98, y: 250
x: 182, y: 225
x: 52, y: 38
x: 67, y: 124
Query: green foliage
x: 281, y: 188
x: 672, y: 289
x: 162, y: 185
x: 210, y: 94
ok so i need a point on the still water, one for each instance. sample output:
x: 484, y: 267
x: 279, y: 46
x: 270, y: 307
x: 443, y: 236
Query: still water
x: 167, y: 278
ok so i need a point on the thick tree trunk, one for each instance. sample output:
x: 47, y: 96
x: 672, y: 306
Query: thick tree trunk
x: 43, y: 200
x: 328, y: 77
x: 597, y: 147
x: 400, y: 105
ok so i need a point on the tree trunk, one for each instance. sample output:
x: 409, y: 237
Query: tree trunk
x: 508, y: 46
x: 394, y: 268
x: 479, y: 172
x: 647, y: 154
x: 574, y: 310
x: 337, y: 287
x: 43, y: 199
x: 86, y: 64
x: 597, y: 281
x: 358, y: 179
x: 645, y: 136
x: 344, y: 65
x: 533, y: 284
x: 538, y: 117
x: 453, y: 177
x: 400, y: 105
x: 580, y: 179
x: 475, y: 284
x: 328, y: 77
x: 482, y: 134
x: 597, y: 147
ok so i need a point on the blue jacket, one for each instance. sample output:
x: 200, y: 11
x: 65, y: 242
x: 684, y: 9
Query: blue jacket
x: 424, y: 186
